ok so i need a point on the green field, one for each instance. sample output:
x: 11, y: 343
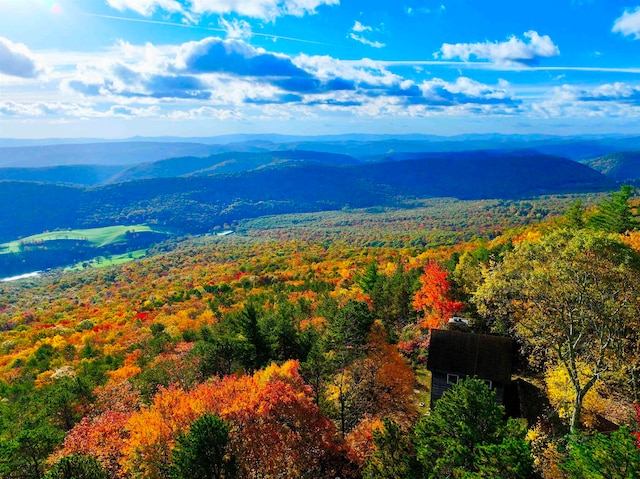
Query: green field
x: 98, y: 237
x: 101, y: 261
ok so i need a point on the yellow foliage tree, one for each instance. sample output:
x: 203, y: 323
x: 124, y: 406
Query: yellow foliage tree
x: 562, y: 395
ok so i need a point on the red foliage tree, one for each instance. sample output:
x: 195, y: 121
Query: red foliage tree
x: 433, y: 300
x: 101, y: 437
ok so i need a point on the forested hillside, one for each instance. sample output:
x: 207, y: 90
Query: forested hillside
x: 197, y: 204
x: 427, y: 223
x: 623, y: 166
x: 74, y: 175
x: 54, y: 152
x: 233, y: 162
x: 267, y: 355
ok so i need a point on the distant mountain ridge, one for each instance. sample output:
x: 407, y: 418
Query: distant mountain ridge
x: 623, y: 166
x: 83, y: 175
x: 283, y: 138
x: 25, y: 153
x: 196, y: 204
x: 232, y: 162
x: 125, y: 153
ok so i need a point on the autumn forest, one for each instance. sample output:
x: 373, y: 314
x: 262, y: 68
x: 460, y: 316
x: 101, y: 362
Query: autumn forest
x: 297, y: 348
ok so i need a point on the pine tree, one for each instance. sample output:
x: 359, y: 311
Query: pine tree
x: 614, y: 214
x: 202, y: 453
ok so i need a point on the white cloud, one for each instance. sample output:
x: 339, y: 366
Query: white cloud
x: 41, y: 109
x: 263, y: 9
x: 91, y: 110
x: 173, y: 80
x: 465, y: 91
x: 608, y: 100
x: 513, y: 51
x: 424, y: 10
x: 617, y: 91
x: 205, y: 112
x: 359, y: 27
x: 356, y: 34
x: 366, y: 71
x: 236, y: 29
x: 629, y: 23
x: 229, y: 79
x: 16, y: 60
x: 220, y: 72
x: 146, y: 7
x: 364, y: 41
x: 123, y: 111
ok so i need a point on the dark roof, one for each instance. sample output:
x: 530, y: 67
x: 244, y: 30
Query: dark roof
x: 488, y: 357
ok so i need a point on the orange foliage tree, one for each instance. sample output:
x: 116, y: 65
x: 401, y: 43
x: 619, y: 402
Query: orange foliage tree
x: 276, y: 429
x: 360, y: 440
x: 377, y: 385
x: 102, y: 434
x: 388, y: 380
x: 433, y: 300
x: 101, y: 437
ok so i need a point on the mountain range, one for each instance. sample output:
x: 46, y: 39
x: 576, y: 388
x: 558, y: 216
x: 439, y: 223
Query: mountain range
x: 201, y: 198
x: 55, y: 152
x: 194, y: 187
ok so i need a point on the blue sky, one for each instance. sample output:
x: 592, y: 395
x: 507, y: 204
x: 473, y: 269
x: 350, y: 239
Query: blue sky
x: 120, y: 68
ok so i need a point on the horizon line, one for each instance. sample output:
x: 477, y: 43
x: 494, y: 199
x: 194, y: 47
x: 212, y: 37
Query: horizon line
x: 317, y: 136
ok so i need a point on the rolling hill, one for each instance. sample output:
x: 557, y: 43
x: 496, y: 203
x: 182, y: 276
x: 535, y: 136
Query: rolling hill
x: 233, y: 162
x: 56, y: 152
x: 623, y: 166
x: 65, y: 247
x: 111, y: 153
x: 196, y: 204
x: 83, y: 175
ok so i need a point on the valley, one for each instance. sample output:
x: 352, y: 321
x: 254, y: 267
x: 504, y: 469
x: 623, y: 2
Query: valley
x: 310, y: 324
x: 126, y: 184
x: 66, y: 247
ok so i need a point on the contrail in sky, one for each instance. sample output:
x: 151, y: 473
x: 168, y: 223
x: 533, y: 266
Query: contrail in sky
x: 212, y: 29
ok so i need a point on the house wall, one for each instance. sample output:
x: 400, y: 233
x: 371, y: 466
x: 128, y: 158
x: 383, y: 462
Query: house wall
x: 439, y: 386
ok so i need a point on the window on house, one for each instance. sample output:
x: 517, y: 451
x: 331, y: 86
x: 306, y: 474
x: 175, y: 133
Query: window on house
x: 488, y: 383
x: 453, y: 378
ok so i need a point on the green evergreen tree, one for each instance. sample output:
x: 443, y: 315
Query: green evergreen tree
x: 316, y: 368
x: 367, y: 281
x: 246, y: 324
x: 280, y: 332
x: 614, y: 214
x: 393, y: 296
x: 63, y: 398
x: 203, y: 452
x: 394, y: 457
x: 575, y: 214
x: 77, y: 467
x: 349, y: 327
x: 24, y: 457
x: 615, y: 456
x: 464, y: 431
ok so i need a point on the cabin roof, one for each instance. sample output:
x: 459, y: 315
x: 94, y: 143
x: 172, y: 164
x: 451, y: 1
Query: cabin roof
x: 481, y: 355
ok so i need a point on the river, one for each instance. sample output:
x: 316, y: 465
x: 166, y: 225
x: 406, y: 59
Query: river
x: 22, y: 276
